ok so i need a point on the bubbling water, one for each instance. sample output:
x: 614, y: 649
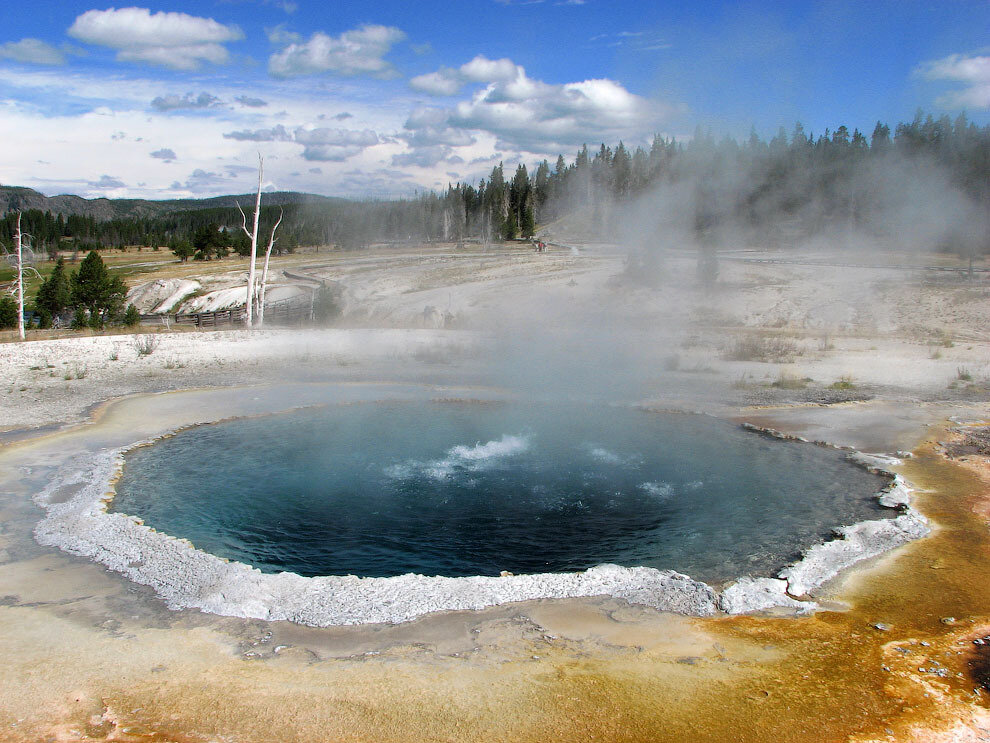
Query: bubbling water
x: 386, y: 488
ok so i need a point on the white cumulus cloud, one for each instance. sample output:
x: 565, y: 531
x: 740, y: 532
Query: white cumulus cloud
x: 32, y: 51
x: 528, y: 114
x: 448, y: 81
x: 359, y: 51
x: 175, y: 40
x: 973, y: 71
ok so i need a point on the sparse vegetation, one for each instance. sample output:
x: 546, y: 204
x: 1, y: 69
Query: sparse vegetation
x: 787, y: 382
x: 145, y: 345
x: 744, y: 382
x: 75, y: 371
x: 766, y: 348
x: 963, y: 374
x: 844, y: 382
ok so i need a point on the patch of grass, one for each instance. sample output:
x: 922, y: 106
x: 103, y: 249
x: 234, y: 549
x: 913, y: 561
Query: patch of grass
x: 945, y: 339
x: 787, y: 382
x: 963, y: 374
x: 76, y: 371
x: 766, y: 348
x: 844, y: 382
x: 935, y: 354
x: 744, y: 382
x: 173, y: 363
x: 145, y: 345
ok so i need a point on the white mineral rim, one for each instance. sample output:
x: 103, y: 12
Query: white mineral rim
x: 77, y: 521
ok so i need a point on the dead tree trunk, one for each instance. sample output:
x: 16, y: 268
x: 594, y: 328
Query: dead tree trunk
x: 18, y: 244
x: 253, y: 234
x: 264, y: 272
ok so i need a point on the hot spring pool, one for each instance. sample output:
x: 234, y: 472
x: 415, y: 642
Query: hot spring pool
x: 456, y: 489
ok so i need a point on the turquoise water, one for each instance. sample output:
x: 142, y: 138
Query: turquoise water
x: 379, y: 489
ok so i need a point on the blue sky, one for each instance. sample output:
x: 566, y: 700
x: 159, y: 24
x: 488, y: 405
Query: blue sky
x: 165, y: 100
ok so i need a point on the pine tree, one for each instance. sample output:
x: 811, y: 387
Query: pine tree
x: 183, y: 250
x: 96, y: 290
x: 8, y: 313
x: 131, y: 316
x: 55, y: 293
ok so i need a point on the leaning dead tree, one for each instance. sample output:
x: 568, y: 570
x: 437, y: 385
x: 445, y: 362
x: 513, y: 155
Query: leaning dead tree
x: 264, y: 271
x: 252, y: 288
x: 21, y: 260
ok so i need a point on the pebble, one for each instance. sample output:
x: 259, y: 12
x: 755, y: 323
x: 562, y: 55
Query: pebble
x: 882, y: 626
x: 948, y: 620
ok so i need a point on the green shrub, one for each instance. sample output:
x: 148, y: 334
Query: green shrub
x: 131, y: 316
x: 8, y: 312
x: 326, y: 306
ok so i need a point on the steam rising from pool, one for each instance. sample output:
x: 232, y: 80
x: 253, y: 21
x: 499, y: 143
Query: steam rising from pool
x: 462, y: 458
x: 384, y: 489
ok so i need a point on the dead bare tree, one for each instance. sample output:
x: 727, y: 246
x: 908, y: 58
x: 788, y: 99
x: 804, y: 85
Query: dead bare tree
x: 486, y: 230
x: 253, y: 235
x: 446, y: 225
x: 21, y: 260
x: 264, y: 272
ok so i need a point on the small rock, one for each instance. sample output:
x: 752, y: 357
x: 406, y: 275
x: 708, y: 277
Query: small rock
x: 882, y: 626
x: 948, y: 620
x: 925, y: 644
x: 505, y: 574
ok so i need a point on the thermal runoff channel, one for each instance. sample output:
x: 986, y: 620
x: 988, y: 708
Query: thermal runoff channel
x: 457, y: 489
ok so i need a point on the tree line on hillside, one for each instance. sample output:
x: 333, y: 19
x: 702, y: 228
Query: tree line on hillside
x: 926, y: 181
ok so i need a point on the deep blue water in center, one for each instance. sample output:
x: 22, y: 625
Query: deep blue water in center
x: 379, y: 489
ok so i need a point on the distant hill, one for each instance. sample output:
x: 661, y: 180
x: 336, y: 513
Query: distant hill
x: 13, y: 198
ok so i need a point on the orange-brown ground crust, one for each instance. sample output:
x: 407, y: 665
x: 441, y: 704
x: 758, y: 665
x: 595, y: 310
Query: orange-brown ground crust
x: 574, y: 671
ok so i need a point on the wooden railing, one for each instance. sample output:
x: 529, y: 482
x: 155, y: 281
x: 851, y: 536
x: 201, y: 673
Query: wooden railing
x: 280, y: 312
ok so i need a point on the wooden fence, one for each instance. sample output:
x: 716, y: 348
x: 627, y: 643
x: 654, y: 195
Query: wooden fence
x: 294, y: 311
